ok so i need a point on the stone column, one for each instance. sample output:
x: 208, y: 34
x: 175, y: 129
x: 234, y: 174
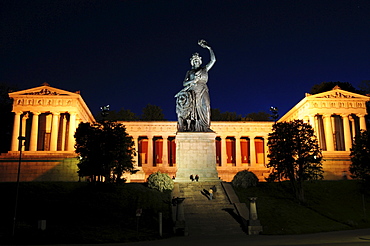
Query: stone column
x: 347, y: 132
x: 315, y: 125
x: 252, y: 151
x: 34, y: 131
x: 223, y: 151
x: 165, y: 151
x: 328, y: 132
x: 23, y: 132
x: 362, y: 121
x: 150, y: 151
x: 16, y: 130
x: 136, y: 157
x: 64, y: 126
x: 54, y: 131
x: 266, y: 148
x: 238, y: 153
x: 312, y: 121
x: 71, y: 131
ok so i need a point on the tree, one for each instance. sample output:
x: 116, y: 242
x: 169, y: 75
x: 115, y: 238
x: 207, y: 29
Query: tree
x: 217, y: 115
x: 327, y: 86
x: 294, y: 154
x: 365, y: 86
x: 260, y: 116
x: 105, y: 150
x: 7, y: 117
x: 113, y: 115
x: 152, y: 113
x: 360, y: 157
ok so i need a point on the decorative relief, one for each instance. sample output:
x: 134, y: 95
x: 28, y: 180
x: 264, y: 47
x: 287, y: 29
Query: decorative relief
x: 338, y: 94
x: 42, y: 92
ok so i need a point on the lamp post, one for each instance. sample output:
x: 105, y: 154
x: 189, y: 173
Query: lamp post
x: 20, y: 146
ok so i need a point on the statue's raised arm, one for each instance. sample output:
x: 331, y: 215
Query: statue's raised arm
x: 205, y: 45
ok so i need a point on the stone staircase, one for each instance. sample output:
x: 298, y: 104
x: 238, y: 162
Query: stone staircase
x: 204, y: 216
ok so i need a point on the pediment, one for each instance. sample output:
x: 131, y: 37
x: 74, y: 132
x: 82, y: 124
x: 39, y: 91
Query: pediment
x: 44, y: 90
x: 337, y: 94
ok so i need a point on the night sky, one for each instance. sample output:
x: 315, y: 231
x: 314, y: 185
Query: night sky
x: 134, y: 52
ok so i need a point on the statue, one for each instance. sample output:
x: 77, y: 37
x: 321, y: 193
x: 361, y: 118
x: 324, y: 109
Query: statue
x: 192, y: 102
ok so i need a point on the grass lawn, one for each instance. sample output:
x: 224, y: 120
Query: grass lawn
x: 83, y: 213
x: 329, y: 206
x: 106, y: 213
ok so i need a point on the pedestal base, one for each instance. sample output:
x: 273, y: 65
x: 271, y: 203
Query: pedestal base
x: 196, y: 155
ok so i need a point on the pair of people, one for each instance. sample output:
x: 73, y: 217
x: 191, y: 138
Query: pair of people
x: 196, y: 177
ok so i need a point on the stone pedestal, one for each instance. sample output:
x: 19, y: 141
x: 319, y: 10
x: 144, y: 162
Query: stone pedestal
x: 196, y: 155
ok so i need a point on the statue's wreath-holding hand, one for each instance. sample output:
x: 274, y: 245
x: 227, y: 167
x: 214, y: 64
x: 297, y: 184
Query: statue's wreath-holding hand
x: 203, y: 43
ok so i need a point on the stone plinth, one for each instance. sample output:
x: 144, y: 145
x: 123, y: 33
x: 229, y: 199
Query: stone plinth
x: 196, y: 155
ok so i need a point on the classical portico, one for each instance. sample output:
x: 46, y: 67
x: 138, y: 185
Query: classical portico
x: 48, y: 118
x: 337, y: 116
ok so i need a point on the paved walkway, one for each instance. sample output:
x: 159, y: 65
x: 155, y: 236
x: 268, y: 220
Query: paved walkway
x: 206, y: 217
x: 341, y: 238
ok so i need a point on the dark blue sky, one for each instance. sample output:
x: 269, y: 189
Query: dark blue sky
x: 134, y: 52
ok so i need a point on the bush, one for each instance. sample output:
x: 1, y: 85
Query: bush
x: 245, y: 179
x: 160, y: 181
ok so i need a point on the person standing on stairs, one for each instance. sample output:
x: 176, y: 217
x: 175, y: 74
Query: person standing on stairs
x: 210, y: 194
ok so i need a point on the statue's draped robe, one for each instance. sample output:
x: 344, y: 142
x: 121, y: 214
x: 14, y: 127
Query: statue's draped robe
x: 200, y: 115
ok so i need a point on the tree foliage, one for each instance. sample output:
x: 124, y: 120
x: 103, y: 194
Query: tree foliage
x: 327, y: 86
x: 7, y: 117
x: 123, y: 115
x: 160, y: 181
x: 360, y: 157
x: 294, y: 154
x: 152, y: 113
x: 105, y: 150
x: 245, y: 179
x: 260, y: 116
x: 217, y: 115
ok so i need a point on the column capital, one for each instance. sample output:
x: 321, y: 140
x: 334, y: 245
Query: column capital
x: 55, y: 113
x: 327, y: 115
x: 344, y: 115
x: 18, y: 112
x: 36, y: 113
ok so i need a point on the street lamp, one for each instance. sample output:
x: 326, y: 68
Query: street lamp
x: 20, y: 146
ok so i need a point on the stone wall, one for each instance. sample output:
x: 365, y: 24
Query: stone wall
x: 40, y: 167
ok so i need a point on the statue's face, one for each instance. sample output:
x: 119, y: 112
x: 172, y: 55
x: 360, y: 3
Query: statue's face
x: 196, y: 63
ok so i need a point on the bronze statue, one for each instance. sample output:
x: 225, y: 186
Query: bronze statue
x: 193, y: 102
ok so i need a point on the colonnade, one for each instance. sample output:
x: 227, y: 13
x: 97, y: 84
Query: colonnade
x: 230, y: 150
x: 336, y: 132
x: 45, y: 131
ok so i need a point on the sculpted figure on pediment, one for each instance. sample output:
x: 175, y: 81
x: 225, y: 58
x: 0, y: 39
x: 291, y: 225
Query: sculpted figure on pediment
x: 42, y: 92
x: 338, y: 95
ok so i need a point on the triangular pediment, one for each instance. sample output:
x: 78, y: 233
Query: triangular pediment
x: 44, y: 90
x: 337, y: 94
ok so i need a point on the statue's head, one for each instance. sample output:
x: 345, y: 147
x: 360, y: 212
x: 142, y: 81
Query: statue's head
x: 196, y: 60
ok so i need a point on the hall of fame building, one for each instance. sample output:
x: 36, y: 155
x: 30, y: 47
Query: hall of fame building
x: 48, y: 118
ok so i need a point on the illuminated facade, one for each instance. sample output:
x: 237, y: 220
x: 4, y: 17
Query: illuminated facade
x: 48, y: 117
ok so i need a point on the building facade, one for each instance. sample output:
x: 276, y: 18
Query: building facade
x: 48, y: 118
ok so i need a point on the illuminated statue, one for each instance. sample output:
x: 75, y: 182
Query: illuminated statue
x: 193, y: 103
